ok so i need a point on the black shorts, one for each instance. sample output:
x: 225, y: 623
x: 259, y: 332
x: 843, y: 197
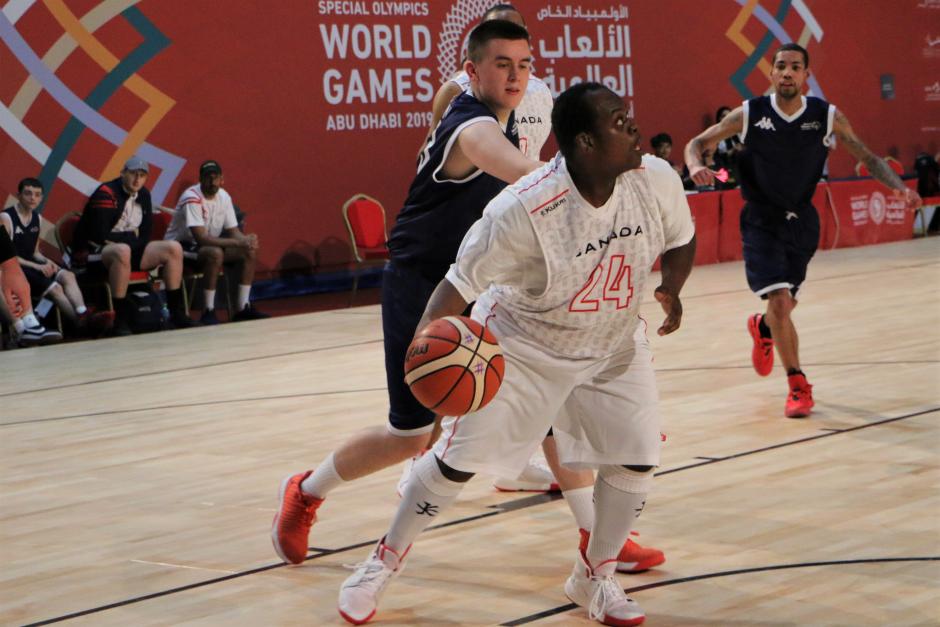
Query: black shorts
x: 190, y: 250
x: 39, y: 283
x: 93, y: 263
x: 778, y: 246
x: 405, y: 293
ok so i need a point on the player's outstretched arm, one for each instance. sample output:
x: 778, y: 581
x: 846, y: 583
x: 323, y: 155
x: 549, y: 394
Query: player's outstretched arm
x: 485, y: 147
x: 732, y: 124
x: 444, y: 301
x: 676, y: 267
x: 878, y: 167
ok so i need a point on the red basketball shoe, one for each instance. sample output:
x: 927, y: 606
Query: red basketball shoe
x: 762, y: 354
x: 800, y: 399
x: 296, y: 513
x: 633, y: 558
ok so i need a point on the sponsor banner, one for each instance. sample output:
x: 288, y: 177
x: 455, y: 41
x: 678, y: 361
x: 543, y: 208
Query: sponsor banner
x: 869, y: 213
x: 729, y: 228
x: 307, y: 102
x: 706, y: 212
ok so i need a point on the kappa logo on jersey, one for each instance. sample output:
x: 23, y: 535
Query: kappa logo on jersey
x: 810, y: 126
x: 791, y: 215
x: 601, y: 242
x: 18, y: 231
x: 765, y: 124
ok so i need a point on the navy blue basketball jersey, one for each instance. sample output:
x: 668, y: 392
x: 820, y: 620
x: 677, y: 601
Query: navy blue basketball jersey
x: 784, y: 156
x: 438, y: 212
x: 25, y: 236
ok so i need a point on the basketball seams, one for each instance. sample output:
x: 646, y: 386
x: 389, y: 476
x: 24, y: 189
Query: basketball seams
x: 458, y: 381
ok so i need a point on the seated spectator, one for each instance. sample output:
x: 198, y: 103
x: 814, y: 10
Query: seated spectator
x: 45, y: 277
x: 114, y: 231
x: 928, y: 184
x: 726, y: 154
x: 206, y: 226
x: 662, y: 148
x: 16, y: 301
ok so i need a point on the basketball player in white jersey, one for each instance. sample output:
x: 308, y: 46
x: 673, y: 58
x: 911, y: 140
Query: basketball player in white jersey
x: 533, y: 118
x: 557, y: 266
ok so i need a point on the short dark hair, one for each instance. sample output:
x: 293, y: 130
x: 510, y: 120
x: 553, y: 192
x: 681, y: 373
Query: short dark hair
x: 659, y: 139
x: 486, y: 31
x: 795, y: 48
x: 573, y: 114
x: 499, y: 8
x: 721, y: 110
x: 29, y: 182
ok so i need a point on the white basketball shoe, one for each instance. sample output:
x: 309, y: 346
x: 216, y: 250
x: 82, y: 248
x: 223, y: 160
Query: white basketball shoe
x: 537, y: 477
x: 360, y: 593
x: 606, y: 601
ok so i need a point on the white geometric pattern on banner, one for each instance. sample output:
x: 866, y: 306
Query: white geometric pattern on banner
x: 448, y: 48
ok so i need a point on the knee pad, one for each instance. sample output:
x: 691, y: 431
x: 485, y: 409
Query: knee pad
x: 626, y: 480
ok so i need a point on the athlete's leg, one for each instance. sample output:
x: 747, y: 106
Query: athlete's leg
x: 56, y: 294
x: 780, y: 305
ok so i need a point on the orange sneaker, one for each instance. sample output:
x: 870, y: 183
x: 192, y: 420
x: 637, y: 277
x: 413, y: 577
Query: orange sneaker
x: 633, y: 558
x: 296, y: 513
x: 800, y: 399
x: 762, y: 353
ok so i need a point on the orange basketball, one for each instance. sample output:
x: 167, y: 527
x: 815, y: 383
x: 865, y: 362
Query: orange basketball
x: 454, y: 366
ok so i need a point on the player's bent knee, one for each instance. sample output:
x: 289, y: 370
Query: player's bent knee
x: 457, y: 476
x: 633, y: 479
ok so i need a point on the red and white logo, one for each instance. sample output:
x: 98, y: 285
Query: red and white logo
x: 877, y: 207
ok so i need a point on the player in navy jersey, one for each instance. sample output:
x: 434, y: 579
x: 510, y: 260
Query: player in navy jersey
x: 469, y: 158
x: 787, y: 137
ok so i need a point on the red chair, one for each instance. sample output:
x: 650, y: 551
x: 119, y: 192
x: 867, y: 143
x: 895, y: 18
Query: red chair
x: 65, y: 235
x: 368, y: 237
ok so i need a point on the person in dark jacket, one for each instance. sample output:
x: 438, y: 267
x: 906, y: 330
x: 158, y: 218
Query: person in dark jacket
x: 114, y: 231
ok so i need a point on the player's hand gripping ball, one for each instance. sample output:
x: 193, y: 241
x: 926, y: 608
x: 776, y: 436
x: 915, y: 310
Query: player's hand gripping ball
x: 454, y: 366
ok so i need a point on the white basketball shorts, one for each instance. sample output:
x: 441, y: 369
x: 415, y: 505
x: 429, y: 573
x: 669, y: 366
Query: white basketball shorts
x: 602, y: 411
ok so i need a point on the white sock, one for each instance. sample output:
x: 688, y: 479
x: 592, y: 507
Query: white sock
x: 427, y: 494
x: 243, y: 292
x: 322, y: 480
x: 29, y: 320
x: 81, y: 309
x: 619, y: 497
x: 581, y: 503
x: 210, y: 299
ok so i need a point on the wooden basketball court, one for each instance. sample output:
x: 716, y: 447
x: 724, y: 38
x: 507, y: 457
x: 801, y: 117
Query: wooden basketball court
x: 139, y: 474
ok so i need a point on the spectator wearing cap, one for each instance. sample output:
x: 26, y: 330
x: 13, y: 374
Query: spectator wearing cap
x: 206, y: 226
x: 114, y: 231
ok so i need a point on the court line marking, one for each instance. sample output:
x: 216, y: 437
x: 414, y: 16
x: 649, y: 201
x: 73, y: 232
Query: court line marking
x: 134, y: 410
x: 215, y: 570
x: 315, y: 350
x: 195, y: 367
x: 561, y: 609
x: 507, y: 507
x: 250, y: 399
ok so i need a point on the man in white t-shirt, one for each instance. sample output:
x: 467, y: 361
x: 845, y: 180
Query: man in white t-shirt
x: 558, y: 265
x: 206, y: 226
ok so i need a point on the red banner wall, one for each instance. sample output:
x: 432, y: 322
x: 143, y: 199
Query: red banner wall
x: 306, y: 102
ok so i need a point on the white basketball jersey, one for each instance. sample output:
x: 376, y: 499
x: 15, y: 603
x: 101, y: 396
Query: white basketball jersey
x: 597, y: 259
x: 533, y: 115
